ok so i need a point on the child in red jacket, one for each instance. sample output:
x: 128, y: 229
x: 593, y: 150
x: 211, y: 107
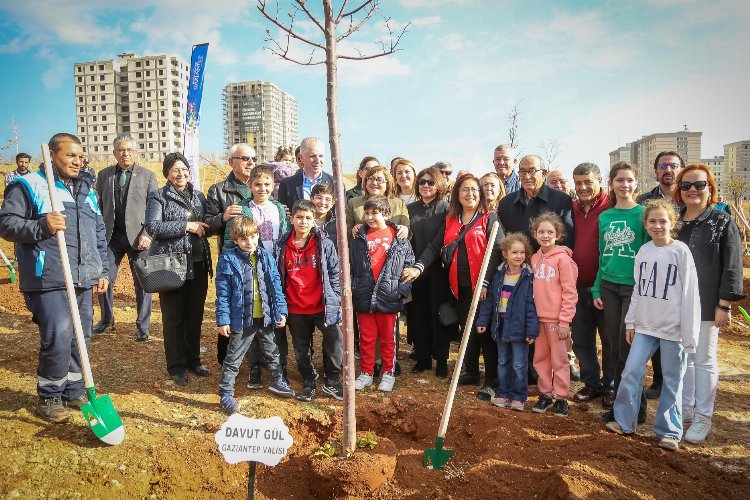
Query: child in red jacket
x: 555, y: 297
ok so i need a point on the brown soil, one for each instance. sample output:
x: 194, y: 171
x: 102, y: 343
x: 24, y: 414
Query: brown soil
x: 170, y: 452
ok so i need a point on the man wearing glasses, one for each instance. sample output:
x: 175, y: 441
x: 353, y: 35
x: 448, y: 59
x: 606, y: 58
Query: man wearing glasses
x: 299, y: 186
x: 666, y: 166
x: 222, y: 202
x: 504, y: 160
x: 123, y: 189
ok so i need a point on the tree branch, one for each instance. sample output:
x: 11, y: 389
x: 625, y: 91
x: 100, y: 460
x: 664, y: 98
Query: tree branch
x: 354, y: 11
x: 302, y: 5
x: 283, y: 52
x: 391, y: 48
x: 341, y: 12
x: 354, y: 28
x: 289, y: 30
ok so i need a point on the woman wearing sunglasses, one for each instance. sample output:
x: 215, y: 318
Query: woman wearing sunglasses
x: 714, y: 240
x: 431, y: 340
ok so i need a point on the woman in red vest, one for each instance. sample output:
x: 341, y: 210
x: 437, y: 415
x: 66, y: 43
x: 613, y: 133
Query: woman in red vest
x: 469, y: 214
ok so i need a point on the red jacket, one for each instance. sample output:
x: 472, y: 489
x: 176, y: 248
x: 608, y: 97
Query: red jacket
x: 586, y: 247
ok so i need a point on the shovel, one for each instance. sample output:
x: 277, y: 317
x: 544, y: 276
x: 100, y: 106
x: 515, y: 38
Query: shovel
x: 436, y: 457
x: 10, y: 267
x: 99, y: 412
x: 745, y: 314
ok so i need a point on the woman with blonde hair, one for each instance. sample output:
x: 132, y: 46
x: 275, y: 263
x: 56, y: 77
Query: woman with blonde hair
x: 405, y: 175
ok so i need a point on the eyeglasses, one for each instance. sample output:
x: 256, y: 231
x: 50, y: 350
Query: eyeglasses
x: 377, y: 180
x: 531, y: 172
x: 245, y: 158
x: 179, y: 170
x: 323, y: 199
x: 466, y: 190
x: 699, y: 185
x: 665, y: 166
x: 426, y: 182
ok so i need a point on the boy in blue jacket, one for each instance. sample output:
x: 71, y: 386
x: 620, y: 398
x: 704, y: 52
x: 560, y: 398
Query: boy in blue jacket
x: 249, y: 301
x: 377, y: 259
x: 510, y: 314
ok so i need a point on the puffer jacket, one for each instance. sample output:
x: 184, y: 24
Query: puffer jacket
x: 230, y: 299
x: 329, y: 274
x: 167, y: 215
x: 387, y: 294
x: 220, y: 196
x: 23, y: 220
x: 520, y: 321
x: 717, y: 250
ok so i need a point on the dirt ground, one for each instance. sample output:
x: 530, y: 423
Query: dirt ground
x: 169, y: 449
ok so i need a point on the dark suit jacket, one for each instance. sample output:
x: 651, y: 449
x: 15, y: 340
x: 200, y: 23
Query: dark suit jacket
x: 515, y: 216
x: 290, y: 189
x: 142, y: 181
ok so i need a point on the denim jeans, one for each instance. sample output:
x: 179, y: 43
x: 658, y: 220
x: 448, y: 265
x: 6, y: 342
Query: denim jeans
x: 668, y: 421
x: 512, y: 370
x: 238, y: 345
x: 302, y: 327
x: 587, y: 321
x: 702, y: 374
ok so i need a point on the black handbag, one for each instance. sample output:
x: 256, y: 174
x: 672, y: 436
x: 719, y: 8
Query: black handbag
x: 447, y: 251
x: 161, y: 273
x: 447, y: 314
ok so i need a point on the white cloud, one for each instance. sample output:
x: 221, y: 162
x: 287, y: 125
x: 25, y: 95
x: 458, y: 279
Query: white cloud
x: 455, y: 41
x: 359, y: 73
x: 414, y: 4
x: 427, y: 21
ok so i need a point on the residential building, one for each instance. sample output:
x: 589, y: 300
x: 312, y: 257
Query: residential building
x: 716, y: 165
x: 644, y: 150
x: 144, y: 96
x: 623, y: 153
x: 260, y: 114
x: 737, y: 161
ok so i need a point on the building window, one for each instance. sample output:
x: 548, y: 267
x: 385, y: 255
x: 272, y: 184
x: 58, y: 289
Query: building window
x: 80, y: 89
x: 93, y: 87
x: 80, y: 99
x: 104, y: 108
x: 104, y: 138
x: 140, y: 115
x: 79, y: 69
x: 140, y: 136
x: 81, y: 129
x: 101, y: 67
x: 138, y: 74
x: 101, y: 88
x: 79, y: 79
x: 138, y: 64
x: 91, y: 68
x: 101, y: 78
x: 80, y: 109
x: 139, y: 95
x: 104, y: 128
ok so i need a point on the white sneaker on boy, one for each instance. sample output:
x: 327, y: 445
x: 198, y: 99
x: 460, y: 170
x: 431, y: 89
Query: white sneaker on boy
x: 364, y: 380
x: 699, y: 429
x: 386, y: 382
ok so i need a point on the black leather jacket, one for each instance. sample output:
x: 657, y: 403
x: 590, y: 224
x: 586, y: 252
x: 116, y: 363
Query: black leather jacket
x: 717, y: 251
x: 220, y: 196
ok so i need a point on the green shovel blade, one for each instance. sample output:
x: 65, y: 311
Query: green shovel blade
x: 435, y: 458
x: 12, y: 274
x: 103, y: 419
x: 745, y: 314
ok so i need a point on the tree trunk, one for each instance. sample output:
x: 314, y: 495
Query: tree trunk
x: 350, y: 422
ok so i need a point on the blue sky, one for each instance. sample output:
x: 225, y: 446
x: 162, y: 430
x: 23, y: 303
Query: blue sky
x: 590, y: 75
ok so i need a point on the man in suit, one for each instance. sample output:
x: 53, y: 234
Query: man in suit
x: 123, y: 189
x: 299, y: 186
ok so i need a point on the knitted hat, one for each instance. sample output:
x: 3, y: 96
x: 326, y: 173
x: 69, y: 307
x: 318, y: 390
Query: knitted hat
x: 171, y: 159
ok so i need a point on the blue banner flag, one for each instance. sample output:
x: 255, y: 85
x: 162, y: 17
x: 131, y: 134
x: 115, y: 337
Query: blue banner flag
x: 193, y: 115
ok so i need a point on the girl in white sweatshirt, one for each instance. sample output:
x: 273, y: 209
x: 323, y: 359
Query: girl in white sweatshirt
x: 664, y: 312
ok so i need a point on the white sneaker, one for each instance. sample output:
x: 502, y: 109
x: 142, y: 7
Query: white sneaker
x: 364, y: 380
x: 698, y: 431
x: 386, y: 382
x: 688, y: 415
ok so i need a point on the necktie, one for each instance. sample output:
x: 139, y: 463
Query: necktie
x: 122, y: 179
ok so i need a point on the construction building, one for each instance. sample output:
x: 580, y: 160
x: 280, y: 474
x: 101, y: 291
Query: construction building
x: 737, y: 161
x: 260, y: 114
x: 144, y: 97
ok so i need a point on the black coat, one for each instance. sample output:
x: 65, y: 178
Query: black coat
x: 220, y: 196
x: 427, y: 220
x: 515, y: 216
x: 290, y: 189
x: 387, y: 294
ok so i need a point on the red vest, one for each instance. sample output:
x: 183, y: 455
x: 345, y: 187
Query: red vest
x: 476, y: 244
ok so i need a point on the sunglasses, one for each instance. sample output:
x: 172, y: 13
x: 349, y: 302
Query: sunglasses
x: 244, y: 158
x: 699, y: 185
x: 426, y: 182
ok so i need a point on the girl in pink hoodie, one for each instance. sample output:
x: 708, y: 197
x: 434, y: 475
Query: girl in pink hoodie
x: 555, y: 297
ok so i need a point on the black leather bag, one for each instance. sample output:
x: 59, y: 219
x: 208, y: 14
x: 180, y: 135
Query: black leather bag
x: 447, y: 314
x: 161, y: 273
x: 446, y: 252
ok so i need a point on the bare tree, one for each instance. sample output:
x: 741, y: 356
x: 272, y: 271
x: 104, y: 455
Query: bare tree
x: 214, y: 166
x: 550, y: 151
x: 324, y: 50
x: 513, y: 118
x: 15, y: 138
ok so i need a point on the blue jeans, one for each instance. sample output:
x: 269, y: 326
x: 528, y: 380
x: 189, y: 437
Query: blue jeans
x: 512, y: 369
x: 668, y: 421
x: 238, y: 345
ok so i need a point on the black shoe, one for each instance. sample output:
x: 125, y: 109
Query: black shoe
x: 586, y: 394
x: 441, y: 368
x: 376, y: 370
x: 561, y: 408
x: 653, y: 392
x: 180, y: 379
x: 334, y: 389
x: 142, y: 336
x: 641, y: 418
x: 422, y: 366
x: 307, y: 393
x: 608, y: 399
x: 486, y: 393
x: 413, y: 354
x: 200, y: 370
x: 101, y: 326
x: 543, y: 404
x: 608, y: 416
x: 468, y: 379
x: 397, y: 368
x: 255, y: 380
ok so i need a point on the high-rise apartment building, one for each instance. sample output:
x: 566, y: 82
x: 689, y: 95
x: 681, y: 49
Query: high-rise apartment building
x: 260, y: 114
x: 142, y: 96
x: 716, y: 165
x: 620, y: 154
x: 644, y: 150
x: 737, y: 161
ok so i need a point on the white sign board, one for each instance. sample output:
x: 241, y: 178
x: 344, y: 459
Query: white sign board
x: 244, y: 439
